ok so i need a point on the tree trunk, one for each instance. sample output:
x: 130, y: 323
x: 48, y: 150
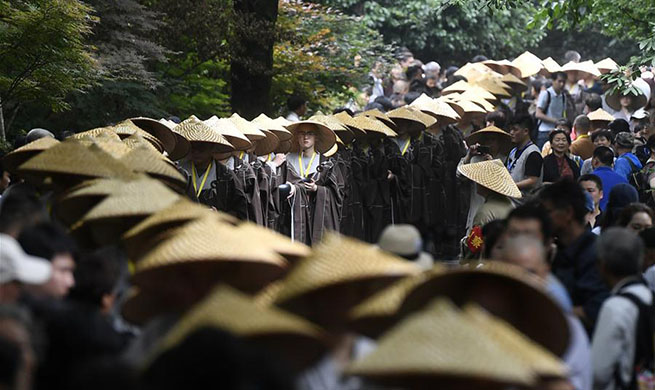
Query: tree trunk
x: 252, y: 56
x: 3, y: 137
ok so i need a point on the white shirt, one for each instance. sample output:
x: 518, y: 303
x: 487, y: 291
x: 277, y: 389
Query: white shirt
x: 293, y: 117
x: 615, y: 337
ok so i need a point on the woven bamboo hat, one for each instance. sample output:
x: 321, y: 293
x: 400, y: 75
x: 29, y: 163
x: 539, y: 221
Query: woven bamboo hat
x: 440, y: 347
x: 341, y: 130
x: 283, y: 147
x: 528, y: 63
x: 196, y: 131
x: 379, y: 313
x: 550, y: 66
x: 159, y: 130
x: 144, y: 236
x: 144, y: 160
x: 503, y: 67
x: 506, y: 291
x: 182, y: 145
x: 114, y: 147
x: 406, y: 120
x: 476, y: 71
x: 266, y: 146
x: 127, y: 128
x: 340, y: 273
x: 12, y: 160
x: 141, y: 306
x: 284, y: 334
x: 607, y: 65
x: 458, y: 86
x: 517, y: 85
x: 448, y: 99
x: 212, y: 251
x: 470, y: 107
x: 580, y: 70
x: 71, y: 161
x: 541, y: 361
x: 266, y: 123
x: 481, y: 136
x: 279, y: 243
x: 640, y: 101
x: 325, y: 138
x: 495, y: 87
x: 600, y: 115
x: 373, y: 127
x: 438, y: 109
x: 492, y: 175
x: 249, y: 129
x: 382, y: 117
x: 478, y: 97
x: 97, y: 132
x: 71, y: 205
x: 350, y: 123
x: 228, y: 129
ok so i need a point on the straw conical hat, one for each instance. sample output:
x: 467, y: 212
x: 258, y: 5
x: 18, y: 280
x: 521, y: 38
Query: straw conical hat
x: 195, y: 130
x: 144, y: 160
x: 407, y: 121
x: 506, y: 291
x: 492, y: 175
x: 458, y: 86
x: 349, y: 122
x: 228, y: 129
x: 266, y: 123
x: 266, y: 146
x: 249, y: 129
x: 182, y: 145
x: 600, y: 115
x: 470, y: 107
x: 579, y: 70
x: 607, y: 65
x: 437, y: 108
x: 528, y: 63
x: 515, y: 83
x: 325, y: 138
x: 97, y: 132
x: 477, y: 97
x: 276, y: 241
x: 503, y: 67
x: 441, y: 347
x: 340, y: 129
x: 476, y: 71
x: 378, y: 313
x: 144, y: 236
x: 495, y: 87
x: 453, y: 104
x: 12, y: 160
x: 126, y: 128
x: 72, y: 159
x: 504, y: 139
x: 373, y: 126
x: 550, y: 66
x: 614, y: 100
x: 541, y: 361
x: 382, y: 117
x: 283, y: 147
x: 334, y: 149
x: 159, y: 130
x: 224, y: 308
x: 214, y: 250
x: 136, y: 141
x: 115, y: 148
x: 340, y: 264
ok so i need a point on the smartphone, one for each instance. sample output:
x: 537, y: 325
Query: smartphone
x: 482, y: 149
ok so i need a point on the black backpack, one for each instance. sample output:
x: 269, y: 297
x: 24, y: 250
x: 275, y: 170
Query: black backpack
x: 636, y: 177
x: 644, y: 359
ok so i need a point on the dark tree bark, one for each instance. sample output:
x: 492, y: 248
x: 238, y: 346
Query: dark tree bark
x: 252, y: 56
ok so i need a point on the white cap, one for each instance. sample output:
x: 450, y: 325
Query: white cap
x: 17, y: 265
x: 640, y: 114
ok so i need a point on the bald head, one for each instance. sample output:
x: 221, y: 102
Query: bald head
x: 528, y: 253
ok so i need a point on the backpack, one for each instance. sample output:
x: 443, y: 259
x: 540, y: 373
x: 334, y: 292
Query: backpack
x: 636, y: 177
x: 569, y: 111
x: 644, y: 359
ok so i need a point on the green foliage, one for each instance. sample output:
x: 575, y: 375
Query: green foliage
x: 451, y: 31
x: 321, y: 53
x: 43, y: 50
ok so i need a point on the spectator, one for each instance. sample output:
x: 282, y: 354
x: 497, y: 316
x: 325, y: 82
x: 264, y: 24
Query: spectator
x: 572, y: 56
x: 50, y: 242
x: 496, y: 118
x: 5, y: 178
x: 20, y: 209
x: 524, y: 161
x: 582, y: 146
x: 562, y: 124
x: 602, y: 161
x: 648, y: 238
x: 592, y: 103
x: 528, y: 252
x: 599, y: 138
x: 626, y: 163
x: 551, y: 106
x: 18, y: 359
x: 594, y: 187
x: 636, y: 217
x: 18, y: 268
x: 615, y: 343
x: 575, y: 263
x: 618, y: 126
x: 297, y: 107
x: 620, y: 196
x: 559, y: 165
x: 414, y: 72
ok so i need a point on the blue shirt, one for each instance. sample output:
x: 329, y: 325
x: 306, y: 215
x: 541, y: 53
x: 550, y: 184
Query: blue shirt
x: 609, y: 178
x: 622, y: 166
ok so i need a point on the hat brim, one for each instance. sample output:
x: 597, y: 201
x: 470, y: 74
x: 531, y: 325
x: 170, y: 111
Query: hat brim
x: 517, y: 300
x: 325, y: 138
x: 504, y: 139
